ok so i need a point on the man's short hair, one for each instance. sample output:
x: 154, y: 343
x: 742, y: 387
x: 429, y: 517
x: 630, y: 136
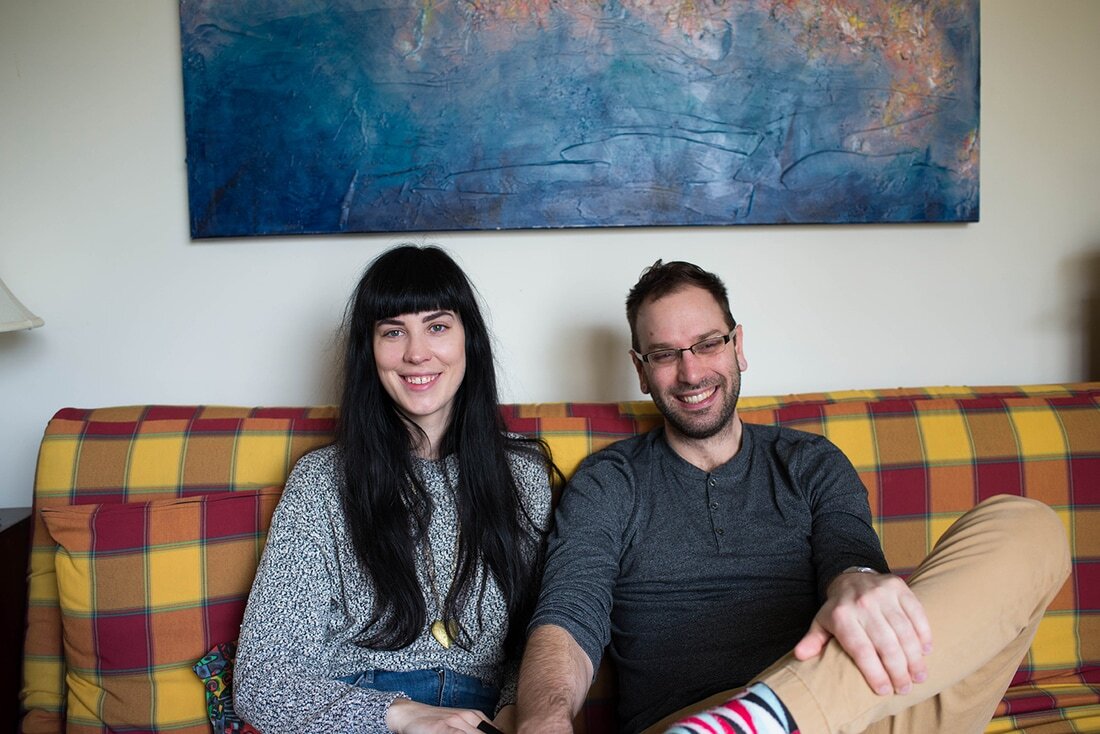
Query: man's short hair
x: 661, y: 279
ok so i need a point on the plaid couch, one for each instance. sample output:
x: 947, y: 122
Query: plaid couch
x: 149, y: 521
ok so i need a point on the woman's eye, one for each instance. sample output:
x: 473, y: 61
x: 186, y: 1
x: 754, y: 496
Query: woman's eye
x: 391, y: 334
x: 437, y: 328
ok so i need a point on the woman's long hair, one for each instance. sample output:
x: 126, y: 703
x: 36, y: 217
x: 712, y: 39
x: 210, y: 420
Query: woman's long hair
x: 387, y: 506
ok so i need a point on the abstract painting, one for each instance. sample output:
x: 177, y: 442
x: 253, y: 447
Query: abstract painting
x: 327, y: 116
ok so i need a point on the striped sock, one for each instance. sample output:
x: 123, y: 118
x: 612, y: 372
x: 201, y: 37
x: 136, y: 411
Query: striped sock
x: 756, y: 710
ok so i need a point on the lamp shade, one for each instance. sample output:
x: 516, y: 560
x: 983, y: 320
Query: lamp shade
x: 13, y: 314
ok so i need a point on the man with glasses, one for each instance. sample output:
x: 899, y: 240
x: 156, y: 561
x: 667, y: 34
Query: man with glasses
x: 712, y: 554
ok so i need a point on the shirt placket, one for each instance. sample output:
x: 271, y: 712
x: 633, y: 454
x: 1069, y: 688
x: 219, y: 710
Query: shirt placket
x: 719, y: 515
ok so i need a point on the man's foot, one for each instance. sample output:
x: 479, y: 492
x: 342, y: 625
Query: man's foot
x: 756, y: 710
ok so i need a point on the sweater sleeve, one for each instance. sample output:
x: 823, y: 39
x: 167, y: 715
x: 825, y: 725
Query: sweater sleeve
x: 842, y: 534
x: 282, y: 682
x: 585, y: 546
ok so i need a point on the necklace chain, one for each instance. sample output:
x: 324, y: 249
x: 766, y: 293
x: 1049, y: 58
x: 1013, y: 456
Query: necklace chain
x: 445, y: 631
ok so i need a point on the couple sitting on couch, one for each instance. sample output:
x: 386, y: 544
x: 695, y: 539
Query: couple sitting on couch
x: 731, y: 570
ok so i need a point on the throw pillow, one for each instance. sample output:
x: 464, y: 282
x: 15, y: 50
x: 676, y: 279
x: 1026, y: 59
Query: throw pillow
x: 145, y: 589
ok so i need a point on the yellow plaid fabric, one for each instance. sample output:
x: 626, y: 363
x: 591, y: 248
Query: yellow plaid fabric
x: 925, y: 454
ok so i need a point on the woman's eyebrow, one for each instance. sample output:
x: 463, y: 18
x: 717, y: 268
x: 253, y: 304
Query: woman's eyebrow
x: 398, y: 321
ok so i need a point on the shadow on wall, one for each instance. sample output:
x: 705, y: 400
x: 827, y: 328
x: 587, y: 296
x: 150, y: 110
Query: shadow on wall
x: 610, y: 374
x: 327, y: 379
x: 1091, y: 306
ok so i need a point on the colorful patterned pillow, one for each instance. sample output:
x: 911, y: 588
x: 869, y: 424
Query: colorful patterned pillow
x: 215, y: 669
x: 146, y: 589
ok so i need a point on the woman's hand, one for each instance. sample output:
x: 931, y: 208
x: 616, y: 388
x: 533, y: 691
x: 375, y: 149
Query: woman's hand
x: 409, y: 717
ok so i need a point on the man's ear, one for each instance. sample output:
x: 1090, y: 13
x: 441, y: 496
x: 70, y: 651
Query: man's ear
x: 740, y: 348
x: 643, y: 383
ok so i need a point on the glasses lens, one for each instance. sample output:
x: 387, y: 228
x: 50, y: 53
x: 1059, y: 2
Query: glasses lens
x: 709, y: 346
x: 664, y: 356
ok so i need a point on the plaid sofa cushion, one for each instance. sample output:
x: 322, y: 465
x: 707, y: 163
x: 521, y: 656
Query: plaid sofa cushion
x: 145, y: 589
x: 926, y: 454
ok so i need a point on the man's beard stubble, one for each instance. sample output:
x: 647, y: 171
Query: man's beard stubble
x: 701, y: 430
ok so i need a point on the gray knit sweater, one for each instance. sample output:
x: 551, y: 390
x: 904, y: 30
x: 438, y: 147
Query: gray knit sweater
x: 311, y: 599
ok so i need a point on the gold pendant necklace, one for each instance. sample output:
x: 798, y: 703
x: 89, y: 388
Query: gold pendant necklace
x: 444, y: 633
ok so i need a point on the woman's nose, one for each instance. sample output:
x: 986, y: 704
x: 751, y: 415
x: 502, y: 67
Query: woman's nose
x: 416, y: 350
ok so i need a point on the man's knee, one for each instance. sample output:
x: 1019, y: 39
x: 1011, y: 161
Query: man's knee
x: 1029, y: 530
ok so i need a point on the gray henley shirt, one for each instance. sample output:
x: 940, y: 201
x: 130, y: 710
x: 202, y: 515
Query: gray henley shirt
x: 700, y: 580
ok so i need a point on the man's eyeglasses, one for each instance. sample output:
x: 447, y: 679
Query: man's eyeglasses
x: 705, y: 348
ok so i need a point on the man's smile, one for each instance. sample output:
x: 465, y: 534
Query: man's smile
x: 699, y: 397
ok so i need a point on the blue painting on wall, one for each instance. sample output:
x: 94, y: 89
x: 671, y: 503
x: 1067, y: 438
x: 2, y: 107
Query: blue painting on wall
x: 310, y: 116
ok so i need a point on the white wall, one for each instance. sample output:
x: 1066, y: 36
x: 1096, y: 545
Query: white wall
x: 94, y: 238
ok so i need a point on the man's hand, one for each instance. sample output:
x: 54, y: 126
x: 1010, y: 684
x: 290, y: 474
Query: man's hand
x: 880, y: 623
x: 409, y: 717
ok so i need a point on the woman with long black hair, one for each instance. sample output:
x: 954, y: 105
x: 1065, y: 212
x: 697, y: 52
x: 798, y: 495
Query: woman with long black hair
x: 403, y: 561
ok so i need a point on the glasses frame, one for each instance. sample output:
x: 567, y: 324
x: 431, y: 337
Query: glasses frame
x: 726, y: 339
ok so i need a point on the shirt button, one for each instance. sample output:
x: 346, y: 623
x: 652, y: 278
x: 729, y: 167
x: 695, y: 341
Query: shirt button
x: 714, y: 505
x: 720, y: 531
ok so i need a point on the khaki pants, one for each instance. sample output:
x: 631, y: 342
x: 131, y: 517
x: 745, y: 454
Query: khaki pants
x: 984, y: 588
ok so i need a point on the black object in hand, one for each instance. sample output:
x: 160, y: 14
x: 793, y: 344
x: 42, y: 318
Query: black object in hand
x: 488, y: 728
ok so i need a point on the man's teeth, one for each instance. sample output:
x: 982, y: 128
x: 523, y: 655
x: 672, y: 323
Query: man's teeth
x: 695, y: 399
x: 420, y: 380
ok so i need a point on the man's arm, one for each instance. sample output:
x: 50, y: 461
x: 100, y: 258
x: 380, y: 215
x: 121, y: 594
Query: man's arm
x: 874, y: 617
x: 553, y: 681
x: 571, y: 625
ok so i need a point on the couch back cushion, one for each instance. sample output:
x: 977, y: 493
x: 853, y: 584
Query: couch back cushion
x: 925, y: 454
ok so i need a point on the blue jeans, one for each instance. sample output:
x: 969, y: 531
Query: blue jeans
x: 439, y: 687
